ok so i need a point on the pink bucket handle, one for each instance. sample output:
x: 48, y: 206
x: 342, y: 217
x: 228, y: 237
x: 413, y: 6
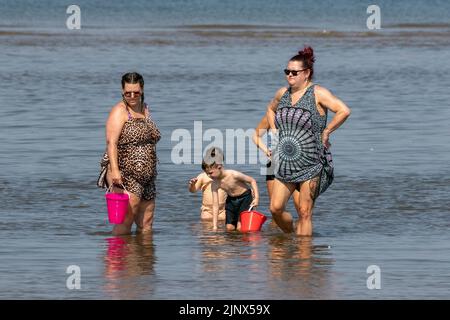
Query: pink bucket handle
x: 111, y: 186
x: 250, y: 209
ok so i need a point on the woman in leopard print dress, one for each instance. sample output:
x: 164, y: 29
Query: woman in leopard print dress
x: 130, y: 158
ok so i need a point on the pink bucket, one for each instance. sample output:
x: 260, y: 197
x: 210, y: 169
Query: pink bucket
x: 117, y: 204
x: 116, y: 256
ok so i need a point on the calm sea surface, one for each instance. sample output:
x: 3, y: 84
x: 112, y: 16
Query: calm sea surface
x: 221, y: 63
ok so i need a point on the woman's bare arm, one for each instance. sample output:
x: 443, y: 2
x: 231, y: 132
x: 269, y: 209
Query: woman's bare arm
x: 327, y: 100
x: 273, y: 106
x: 114, y: 124
x: 260, y: 130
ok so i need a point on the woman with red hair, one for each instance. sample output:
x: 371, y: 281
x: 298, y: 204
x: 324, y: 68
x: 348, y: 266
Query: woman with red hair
x: 301, y: 157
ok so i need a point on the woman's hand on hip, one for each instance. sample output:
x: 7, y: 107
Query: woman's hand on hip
x: 325, y: 139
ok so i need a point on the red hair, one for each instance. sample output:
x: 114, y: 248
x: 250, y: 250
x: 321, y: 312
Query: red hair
x: 306, y: 56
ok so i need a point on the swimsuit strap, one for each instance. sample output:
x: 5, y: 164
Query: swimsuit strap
x: 128, y: 110
x: 131, y: 117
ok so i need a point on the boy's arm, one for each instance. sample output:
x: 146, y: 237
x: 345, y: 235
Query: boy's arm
x: 249, y: 180
x: 195, y: 184
x: 215, y: 206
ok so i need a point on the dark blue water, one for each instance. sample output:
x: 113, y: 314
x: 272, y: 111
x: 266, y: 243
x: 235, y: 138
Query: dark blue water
x: 220, y: 63
x: 345, y: 14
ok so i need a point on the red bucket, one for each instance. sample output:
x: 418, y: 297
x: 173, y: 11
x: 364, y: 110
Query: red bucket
x: 252, y: 220
x: 117, y: 204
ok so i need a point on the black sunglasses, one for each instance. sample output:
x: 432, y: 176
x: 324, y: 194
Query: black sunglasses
x: 294, y: 72
x: 128, y: 93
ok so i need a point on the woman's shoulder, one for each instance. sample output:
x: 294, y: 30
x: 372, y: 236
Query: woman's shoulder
x: 321, y: 92
x: 280, y: 92
x: 119, y: 110
x: 318, y: 89
x: 147, y: 111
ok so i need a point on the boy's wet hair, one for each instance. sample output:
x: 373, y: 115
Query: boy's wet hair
x: 212, y: 157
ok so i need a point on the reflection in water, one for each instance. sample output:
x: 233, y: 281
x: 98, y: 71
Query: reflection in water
x: 254, y: 253
x: 233, y: 255
x: 276, y: 266
x: 302, y: 267
x: 253, y: 241
x: 129, y: 263
x: 214, y: 249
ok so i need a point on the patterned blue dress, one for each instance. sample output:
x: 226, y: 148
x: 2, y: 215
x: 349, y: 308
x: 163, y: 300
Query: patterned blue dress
x: 299, y: 153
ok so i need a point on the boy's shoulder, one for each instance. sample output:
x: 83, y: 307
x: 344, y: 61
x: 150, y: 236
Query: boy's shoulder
x: 231, y: 172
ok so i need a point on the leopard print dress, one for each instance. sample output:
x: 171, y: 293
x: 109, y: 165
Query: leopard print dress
x: 136, y: 157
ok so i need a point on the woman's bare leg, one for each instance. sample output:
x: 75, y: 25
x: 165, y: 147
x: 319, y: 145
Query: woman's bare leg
x: 269, y: 184
x: 281, y: 192
x: 305, y: 210
x: 144, y: 219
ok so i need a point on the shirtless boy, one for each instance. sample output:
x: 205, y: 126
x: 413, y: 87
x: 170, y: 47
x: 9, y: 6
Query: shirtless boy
x: 242, y: 190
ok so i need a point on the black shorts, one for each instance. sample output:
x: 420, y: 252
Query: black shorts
x: 235, y: 205
x: 269, y: 177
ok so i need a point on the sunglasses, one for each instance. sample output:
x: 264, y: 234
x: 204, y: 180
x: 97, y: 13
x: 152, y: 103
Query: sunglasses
x: 294, y: 72
x: 128, y: 93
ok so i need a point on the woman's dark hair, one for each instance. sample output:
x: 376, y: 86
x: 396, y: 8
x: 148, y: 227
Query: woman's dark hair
x: 132, y: 77
x: 306, y: 56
